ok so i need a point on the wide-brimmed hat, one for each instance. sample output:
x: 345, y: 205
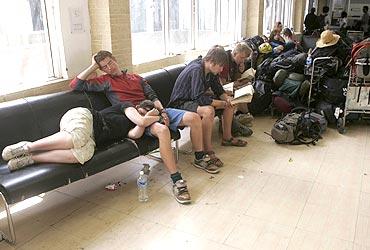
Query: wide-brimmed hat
x: 327, y: 38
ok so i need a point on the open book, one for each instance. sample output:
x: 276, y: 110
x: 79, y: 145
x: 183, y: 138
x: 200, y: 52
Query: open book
x: 241, y: 95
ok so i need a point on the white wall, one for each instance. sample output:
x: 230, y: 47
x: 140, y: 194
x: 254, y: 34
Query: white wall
x: 77, y: 45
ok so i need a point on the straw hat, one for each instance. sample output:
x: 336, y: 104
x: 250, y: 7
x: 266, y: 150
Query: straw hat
x: 327, y: 38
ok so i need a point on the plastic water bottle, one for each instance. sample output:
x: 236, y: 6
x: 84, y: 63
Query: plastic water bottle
x: 309, y: 59
x: 142, y: 187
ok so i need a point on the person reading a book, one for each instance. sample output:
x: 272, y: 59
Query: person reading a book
x: 190, y: 93
x: 232, y: 72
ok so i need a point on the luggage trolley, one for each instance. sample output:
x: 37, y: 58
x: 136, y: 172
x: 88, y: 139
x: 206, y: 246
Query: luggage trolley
x: 358, y: 89
x: 316, y: 72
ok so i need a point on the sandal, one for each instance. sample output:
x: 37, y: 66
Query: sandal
x: 234, y: 142
x: 214, y: 159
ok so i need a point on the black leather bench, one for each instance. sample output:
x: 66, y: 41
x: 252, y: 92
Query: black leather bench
x: 35, y: 117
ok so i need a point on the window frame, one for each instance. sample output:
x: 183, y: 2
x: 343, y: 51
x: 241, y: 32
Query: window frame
x: 194, y: 38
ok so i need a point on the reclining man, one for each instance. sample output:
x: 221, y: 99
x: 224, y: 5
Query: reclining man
x: 231, y: 73
x: 81, y: 130
x: 190, y: 93
x: 119, y: 86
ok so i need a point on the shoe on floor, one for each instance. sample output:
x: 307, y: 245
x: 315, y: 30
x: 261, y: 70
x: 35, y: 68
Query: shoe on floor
x: 15, y: 150
x: 180, y: 190
x: 207, y: 165
x: 238, y: 129
x: 245, y: 118
x: 20, y: 162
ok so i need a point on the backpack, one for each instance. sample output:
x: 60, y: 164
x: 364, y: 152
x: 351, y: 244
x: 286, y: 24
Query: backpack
x: 297, y: 128
x: 334, y: 90
x: 262, y: 97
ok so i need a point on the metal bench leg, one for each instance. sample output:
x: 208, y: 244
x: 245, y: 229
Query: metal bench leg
x: 10, y: 223
x: 175, y: 150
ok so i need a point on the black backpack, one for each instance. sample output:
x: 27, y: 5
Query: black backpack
x: 297, y: 128
x: 334, y: 90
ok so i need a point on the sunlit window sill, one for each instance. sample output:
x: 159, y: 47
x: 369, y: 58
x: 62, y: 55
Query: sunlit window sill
x: 52, y: 86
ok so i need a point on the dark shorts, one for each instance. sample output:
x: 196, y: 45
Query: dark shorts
x: 189, y: 106
x: 175, y: 116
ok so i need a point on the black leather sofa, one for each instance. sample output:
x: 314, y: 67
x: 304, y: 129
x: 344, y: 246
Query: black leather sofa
x: 36, y: 117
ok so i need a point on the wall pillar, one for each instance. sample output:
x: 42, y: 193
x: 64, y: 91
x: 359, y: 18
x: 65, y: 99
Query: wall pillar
x: 111, y: 29
x: 254, y: 17
x: 298, y: 16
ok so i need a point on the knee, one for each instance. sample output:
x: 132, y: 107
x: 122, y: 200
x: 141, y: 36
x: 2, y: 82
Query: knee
x: 195, y: 119
x: 209, y: 113
x: 162, y: 131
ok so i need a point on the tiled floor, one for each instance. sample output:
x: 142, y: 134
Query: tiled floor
x: 267, y: 196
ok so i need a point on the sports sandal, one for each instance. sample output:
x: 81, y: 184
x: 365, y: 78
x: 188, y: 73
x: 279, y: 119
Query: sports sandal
x: 214, y: 159
x: 207, y: 165
x: 234, y: 142
x: 180, y: 190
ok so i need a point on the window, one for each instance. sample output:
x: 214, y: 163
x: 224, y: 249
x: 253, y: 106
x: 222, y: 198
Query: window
x: 160, y: 28
x: 25, y: 46
x: 275, y: 11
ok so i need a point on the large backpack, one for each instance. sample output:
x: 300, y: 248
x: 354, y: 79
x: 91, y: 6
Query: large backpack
x: 297, y: 128
x: 334, y: 90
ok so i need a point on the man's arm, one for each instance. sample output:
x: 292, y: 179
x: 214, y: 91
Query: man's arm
x: 148, y: 91
x: 151, y: 95
x: 197, y: 91
x: 217, y: 87
x: 89, y: 70
x: 82, y: 82
x: 141, y: 121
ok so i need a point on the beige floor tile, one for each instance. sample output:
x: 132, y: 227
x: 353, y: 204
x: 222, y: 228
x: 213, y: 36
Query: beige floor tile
x: 360, y: 247
x: 334, y: 197
x: 208, y: 222
x: 304, y: 240
x: 281, y: 200
x: 162, y: 209
x: 244, y: 185
x: 366, y: 173
x: 6, y: 246
x: 90, y: 221
x: 320, y: 219
x: 331, y: 210
x: 342, y: 172
x: 26, y: 228
x: 364, y: 207
x: 179, y: 240
x: 53, y: 239
x: 363, y: 231
x: 128, y: 233
x: 53, y: 207
x: 253, y: 233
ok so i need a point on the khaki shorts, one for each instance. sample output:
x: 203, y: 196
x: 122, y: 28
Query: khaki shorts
x: 78, y: 122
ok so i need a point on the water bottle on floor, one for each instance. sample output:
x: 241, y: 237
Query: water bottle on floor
x: 142, y: 187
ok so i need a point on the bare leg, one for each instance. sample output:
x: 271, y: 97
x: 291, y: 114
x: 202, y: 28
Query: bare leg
x: 243, y: 107
x: 162, y: 132
x: 60, y: 140
x: 227, y: 118
x: 194, y: 121
x: 55, y: 156
x: 208, y: 115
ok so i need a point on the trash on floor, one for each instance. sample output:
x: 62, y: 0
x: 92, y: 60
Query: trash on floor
x: 113, y: 186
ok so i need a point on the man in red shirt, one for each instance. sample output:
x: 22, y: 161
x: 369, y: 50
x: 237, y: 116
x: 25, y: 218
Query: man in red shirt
x: 120, y: 86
